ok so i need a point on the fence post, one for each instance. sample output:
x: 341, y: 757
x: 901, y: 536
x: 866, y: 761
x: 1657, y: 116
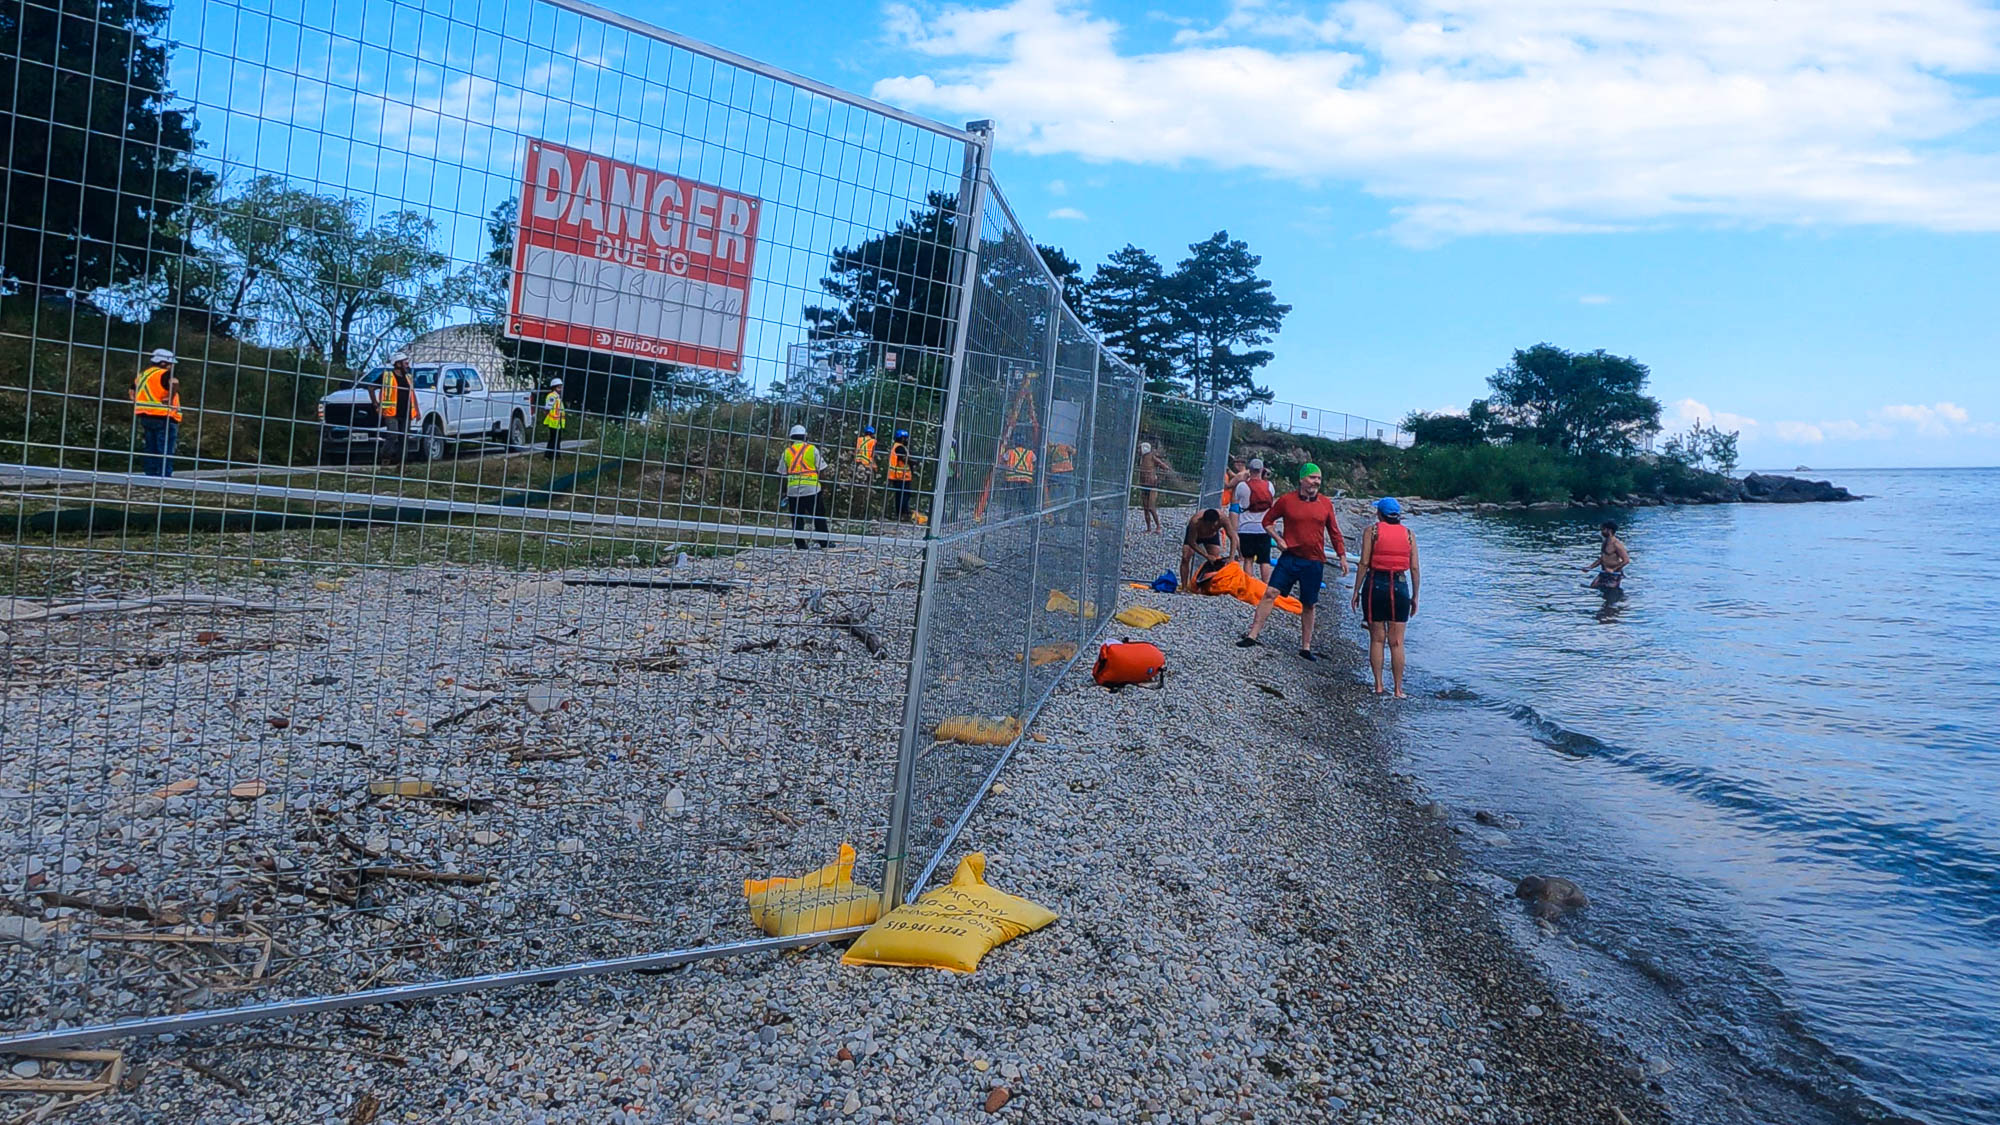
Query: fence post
x: 1040, y: 497
x: 972, y: 207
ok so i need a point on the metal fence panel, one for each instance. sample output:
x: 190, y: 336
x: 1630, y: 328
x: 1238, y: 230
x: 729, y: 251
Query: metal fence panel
x: 299, y: 708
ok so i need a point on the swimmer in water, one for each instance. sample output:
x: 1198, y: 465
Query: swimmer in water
x: 1612, y: 559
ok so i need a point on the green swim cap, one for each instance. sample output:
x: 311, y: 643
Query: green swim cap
x: 1308, y: 470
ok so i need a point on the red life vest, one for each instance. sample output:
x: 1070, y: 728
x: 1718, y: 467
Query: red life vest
x: 1392, y: 548
x: 1261, y: 494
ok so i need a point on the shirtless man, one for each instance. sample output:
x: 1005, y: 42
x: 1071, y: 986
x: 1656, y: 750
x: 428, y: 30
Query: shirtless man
x: 1612, y: 559
x: 1202, y: 545
x: 1150, y: 464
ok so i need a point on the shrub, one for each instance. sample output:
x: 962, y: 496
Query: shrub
x: 66, y: 376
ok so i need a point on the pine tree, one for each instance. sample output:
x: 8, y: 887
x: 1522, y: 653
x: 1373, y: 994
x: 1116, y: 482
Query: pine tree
x: 1126, y: 303
x: 1221, y: 314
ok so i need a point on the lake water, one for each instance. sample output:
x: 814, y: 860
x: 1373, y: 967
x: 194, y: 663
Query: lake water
x: 1774, y: 766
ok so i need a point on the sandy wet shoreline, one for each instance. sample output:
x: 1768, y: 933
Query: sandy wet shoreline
x: 1251, y: 931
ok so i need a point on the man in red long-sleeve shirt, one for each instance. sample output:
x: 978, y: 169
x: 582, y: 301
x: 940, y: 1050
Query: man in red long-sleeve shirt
x: 1309, y: 520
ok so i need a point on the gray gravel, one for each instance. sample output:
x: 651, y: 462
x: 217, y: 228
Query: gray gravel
x: 1258, y: 923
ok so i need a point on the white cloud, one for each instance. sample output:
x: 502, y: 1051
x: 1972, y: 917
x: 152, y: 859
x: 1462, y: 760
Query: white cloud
x: 1480, y: 116
x: 1888, y: 423
x: 1936, y: 421
x: 1593, y: 299
x: 1058, y: 187
x: 1686, y: 412
x: 1068, y: 213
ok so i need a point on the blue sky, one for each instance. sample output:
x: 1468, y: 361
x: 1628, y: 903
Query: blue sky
x: 1791, y: 212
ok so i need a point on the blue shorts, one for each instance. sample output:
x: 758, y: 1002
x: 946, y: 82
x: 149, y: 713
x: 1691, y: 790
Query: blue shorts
x: 1304, y: 573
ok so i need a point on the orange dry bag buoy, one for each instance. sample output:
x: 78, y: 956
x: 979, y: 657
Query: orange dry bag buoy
x: 1129, y: 662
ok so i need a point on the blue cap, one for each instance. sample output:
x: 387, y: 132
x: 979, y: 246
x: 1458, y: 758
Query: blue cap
x: 901, y: 434
x: 867, y: 429
x: 1387, y: 506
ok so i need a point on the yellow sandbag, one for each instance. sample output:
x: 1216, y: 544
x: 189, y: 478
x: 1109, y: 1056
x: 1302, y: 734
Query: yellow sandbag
x: 977, y: 730
x: 1141, y: 617
x: 1044, y: 655
x: 1234, y: 581
x: 1060, y: 602
x: 827, y: 899
x: 951, y: 927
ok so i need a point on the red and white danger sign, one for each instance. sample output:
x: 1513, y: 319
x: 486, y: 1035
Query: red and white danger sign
x: 615, y: 258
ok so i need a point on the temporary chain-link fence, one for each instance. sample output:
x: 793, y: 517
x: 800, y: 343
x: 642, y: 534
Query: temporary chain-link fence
x: 333, y: 680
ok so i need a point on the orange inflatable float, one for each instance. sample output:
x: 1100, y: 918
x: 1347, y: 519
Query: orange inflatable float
x: 1232, y: 580
x: 1120, y: 663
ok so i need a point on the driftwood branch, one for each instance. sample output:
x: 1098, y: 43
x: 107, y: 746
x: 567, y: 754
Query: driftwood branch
x: 136, y: 605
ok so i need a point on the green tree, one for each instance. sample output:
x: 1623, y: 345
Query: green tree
x: 896, y: 288
x: 1069, y: 275
x: 1442, y: 429
x: 1703, y: 448
x: 97, y: 167
x: 1221, y: 314
x: 311, y: 271
x: 1583, y: 403
x: 1125, y: 303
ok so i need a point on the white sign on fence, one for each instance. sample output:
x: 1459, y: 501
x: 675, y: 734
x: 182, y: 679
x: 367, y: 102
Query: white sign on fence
x: 611, y: 257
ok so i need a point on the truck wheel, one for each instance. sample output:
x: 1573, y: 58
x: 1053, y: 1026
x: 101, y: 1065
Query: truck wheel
x: 331, y: 454
x: 517, y: 432
x: 431, y: 448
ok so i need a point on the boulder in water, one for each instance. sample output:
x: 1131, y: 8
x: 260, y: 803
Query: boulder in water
x: 1550, y: 896
x: 1762, y: 488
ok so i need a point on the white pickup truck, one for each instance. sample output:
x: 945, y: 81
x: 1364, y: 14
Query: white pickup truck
x: 453, y: 404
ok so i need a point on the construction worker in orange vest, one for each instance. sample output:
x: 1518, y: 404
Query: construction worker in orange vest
x: 899, y: 473
x: 553, y: 416
x: 802, y: 494
x: 156, y: 403
x: 1061, y: 470
x: 395, y: 401
x: 864, y: 453
x: 1017, y: 472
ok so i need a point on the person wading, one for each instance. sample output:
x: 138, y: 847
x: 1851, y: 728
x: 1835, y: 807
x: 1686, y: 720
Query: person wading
x: 1385, y: 588
x: 899, y: 473
x: 802, y: 490
x: 1309, y: 522
x: 1612, y: 559
x: 156, y: 404
x: 395, y: 401
x: 553, y: 416
x: 1253, y: 497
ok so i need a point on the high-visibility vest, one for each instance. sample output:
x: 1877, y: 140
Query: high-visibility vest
x: 151, y: 397
x: 899, y: 462
x: 1062, y: 458
x: 1020, y: 462
x: 864, y: 449
x: 553, y: 405
x: 392, y: 394
x: 801, y: 465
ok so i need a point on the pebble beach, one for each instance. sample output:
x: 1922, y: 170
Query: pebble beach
x: 1261, y: 920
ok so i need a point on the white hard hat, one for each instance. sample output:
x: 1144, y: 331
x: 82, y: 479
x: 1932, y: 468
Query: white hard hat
x: 1145, y: 447
x: 399, y: 357
x: 555, y: 382
x: 798, y: 431
x: 162, y: 355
